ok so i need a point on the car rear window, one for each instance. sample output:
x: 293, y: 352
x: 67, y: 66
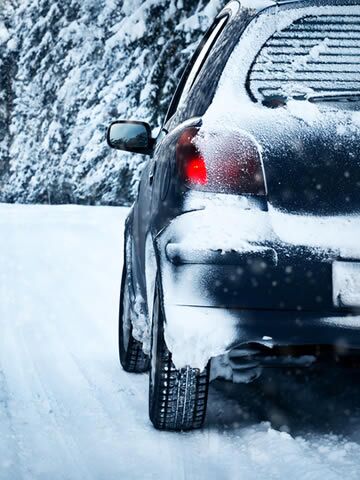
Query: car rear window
x: 318, y: 55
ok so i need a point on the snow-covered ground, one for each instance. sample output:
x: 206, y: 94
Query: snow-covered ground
x: 67, y: 410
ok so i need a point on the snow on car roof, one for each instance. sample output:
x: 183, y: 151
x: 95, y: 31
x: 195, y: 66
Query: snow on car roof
x: 261, y: 4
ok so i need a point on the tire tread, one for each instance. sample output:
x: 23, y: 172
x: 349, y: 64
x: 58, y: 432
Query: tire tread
x: 178, y: 398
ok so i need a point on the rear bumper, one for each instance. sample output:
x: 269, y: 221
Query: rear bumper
x: 212, y: 308
x: 252, y: 277
x: 235, y: 281
x: 240, y: 256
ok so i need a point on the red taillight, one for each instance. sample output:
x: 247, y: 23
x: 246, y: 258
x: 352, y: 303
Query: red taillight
x: 195, y: 170
x: 220, y: 163
x: 191, y: 163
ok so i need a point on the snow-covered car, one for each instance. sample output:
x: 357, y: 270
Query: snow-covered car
x: 244, y: 241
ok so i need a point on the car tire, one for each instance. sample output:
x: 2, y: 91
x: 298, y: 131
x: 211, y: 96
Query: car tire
x: 132, y: 357
x: 177, y: 398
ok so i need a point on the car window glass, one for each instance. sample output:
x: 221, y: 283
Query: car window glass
x: 198, y: 62
x: 203, y: 90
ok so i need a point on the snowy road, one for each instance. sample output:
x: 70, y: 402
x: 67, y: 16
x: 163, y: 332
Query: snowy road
x: 67, y: 410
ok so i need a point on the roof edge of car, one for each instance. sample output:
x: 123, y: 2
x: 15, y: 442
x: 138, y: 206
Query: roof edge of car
x: 264, y: 4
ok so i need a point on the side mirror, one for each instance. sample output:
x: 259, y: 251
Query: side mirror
x: 130, y: 136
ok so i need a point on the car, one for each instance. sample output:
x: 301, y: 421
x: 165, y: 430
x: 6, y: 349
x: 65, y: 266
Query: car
x: 243, y: 244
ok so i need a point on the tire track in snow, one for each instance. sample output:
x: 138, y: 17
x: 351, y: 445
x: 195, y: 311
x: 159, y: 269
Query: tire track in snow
x: 25, y: 401
x: 31, y: 422
x: 44, y: 340
x: 34, y: 410
x: 58, y: 374
x: 9, y: 445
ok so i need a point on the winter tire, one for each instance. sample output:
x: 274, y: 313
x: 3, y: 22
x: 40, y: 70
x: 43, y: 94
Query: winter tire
x: 177, y: 398
x: 132, y: 357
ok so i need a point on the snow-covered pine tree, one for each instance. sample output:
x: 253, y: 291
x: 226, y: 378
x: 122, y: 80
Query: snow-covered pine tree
x: 74, y: 66
x: 7, y: 71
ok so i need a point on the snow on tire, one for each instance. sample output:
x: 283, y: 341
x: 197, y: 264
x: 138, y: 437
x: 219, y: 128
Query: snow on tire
x: 177, y: 398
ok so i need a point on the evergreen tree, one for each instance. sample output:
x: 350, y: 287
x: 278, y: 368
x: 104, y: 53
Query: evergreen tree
x: 69, y: 67
x: 7, y: 71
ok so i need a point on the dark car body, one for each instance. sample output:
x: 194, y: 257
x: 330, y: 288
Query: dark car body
x: 274, y: 266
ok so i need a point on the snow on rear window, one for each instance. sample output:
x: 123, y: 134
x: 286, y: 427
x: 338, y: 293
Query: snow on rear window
x: 315, y: 55
x: 233, y: 107
x: 269, y: 24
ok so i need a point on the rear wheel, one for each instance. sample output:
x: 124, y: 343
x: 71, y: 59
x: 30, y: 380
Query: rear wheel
x: 132, y: 357
x: 177, y: 398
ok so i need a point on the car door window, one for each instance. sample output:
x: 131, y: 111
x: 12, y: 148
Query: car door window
x: 196, y: 64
